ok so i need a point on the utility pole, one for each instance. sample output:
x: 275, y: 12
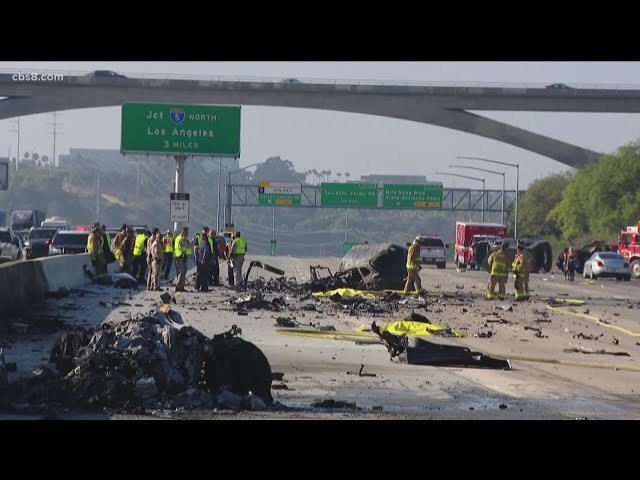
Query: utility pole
x: 273, y: 231
x: 97, y: 192
x: 55, y: 133
x: 17, y: 130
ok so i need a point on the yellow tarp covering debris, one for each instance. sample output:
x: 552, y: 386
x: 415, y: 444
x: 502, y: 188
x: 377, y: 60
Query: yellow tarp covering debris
x: 407, y: 327
x: 347, y: 293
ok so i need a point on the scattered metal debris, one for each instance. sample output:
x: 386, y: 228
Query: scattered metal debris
x: 332, y: 403
x: 595, y: 352
x: 588, y: 337
x: 286, y: 322
x: 360, y: 373
x: 60, y: 293
x: 264, y: 266
x: 418, y: 351
x: 505, y: 307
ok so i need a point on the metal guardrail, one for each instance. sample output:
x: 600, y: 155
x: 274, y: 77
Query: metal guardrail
x: 327, y: 81
x: 453, y: 199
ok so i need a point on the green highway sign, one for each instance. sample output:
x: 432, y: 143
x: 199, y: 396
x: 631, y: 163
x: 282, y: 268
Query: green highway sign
x: 162, y: 128
x: 412, y: 196
x: 349, y: 195
x: 279, y: 194
x: 346, y: 246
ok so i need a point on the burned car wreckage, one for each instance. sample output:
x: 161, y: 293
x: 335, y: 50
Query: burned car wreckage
x: 379, y: 266
x: 539, y: 252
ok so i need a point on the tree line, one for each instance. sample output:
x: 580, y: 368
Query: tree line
x: 595, y: 202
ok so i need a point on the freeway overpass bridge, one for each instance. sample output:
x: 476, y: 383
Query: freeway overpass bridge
x: 445, y: 105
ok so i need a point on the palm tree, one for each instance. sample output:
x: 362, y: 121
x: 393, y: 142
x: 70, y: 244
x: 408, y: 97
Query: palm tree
x: 338, y: 175
x: 329, y: 174
x: 346, y: 176
x: 315, y: 176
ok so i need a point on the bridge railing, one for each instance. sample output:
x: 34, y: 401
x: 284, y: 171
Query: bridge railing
x: 328, y: 81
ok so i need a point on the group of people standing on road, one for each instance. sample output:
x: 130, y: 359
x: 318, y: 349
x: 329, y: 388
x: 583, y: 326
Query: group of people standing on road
x: 520, y: 268
x: 149, y: 255
x: 498, y: 275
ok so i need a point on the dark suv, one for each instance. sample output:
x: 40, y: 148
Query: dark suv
x: 38, y: 241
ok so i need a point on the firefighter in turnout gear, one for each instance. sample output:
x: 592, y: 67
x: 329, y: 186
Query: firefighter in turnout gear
x: 520, y: 268
x: 413, y: 267
x: 498, y: 267
x: 95, y: 247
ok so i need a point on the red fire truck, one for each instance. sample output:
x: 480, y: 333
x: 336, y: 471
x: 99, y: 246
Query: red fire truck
x: 629, y: 246
x: 465, y: 234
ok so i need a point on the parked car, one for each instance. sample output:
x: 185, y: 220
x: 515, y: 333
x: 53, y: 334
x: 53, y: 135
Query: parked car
x: 607, y: 264
x: 433, y: 251
x: 68, y: 242
x: 10, y: 246
x: 37, y: 243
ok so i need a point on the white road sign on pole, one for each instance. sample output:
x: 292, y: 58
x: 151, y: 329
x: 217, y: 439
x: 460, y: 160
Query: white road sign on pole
x: 179, y: 207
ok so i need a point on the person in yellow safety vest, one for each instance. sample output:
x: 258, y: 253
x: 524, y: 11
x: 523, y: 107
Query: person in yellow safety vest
x: 196, y: 241
x: 238, y: 250
x: 182, y: 250
x: 413, y: 267
x: 498, y: 270
x: 520, y: 268
x: 140, y: 256
x: 168, y: 253
x: 95, y: 247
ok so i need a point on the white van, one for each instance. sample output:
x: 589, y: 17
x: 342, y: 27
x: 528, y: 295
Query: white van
x: 56, y: 222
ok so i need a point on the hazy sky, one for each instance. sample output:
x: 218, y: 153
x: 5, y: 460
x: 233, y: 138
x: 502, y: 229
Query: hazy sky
x: 359, y: 144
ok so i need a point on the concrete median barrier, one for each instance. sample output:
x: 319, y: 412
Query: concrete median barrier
x: 25, y: 283
x: 65, y: 271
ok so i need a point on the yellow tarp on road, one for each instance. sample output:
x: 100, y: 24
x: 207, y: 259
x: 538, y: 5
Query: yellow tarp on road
x: 408, y: 327
x: 347, y: 293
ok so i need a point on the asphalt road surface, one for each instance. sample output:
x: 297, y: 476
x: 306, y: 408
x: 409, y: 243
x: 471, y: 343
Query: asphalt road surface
x: 546, y: 382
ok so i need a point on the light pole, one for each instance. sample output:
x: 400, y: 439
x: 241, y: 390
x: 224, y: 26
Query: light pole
x: 227, y: 206
x: 17, y: 130
x: 470, y: 178
x: 517, y: 167
x: 488, y: 171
